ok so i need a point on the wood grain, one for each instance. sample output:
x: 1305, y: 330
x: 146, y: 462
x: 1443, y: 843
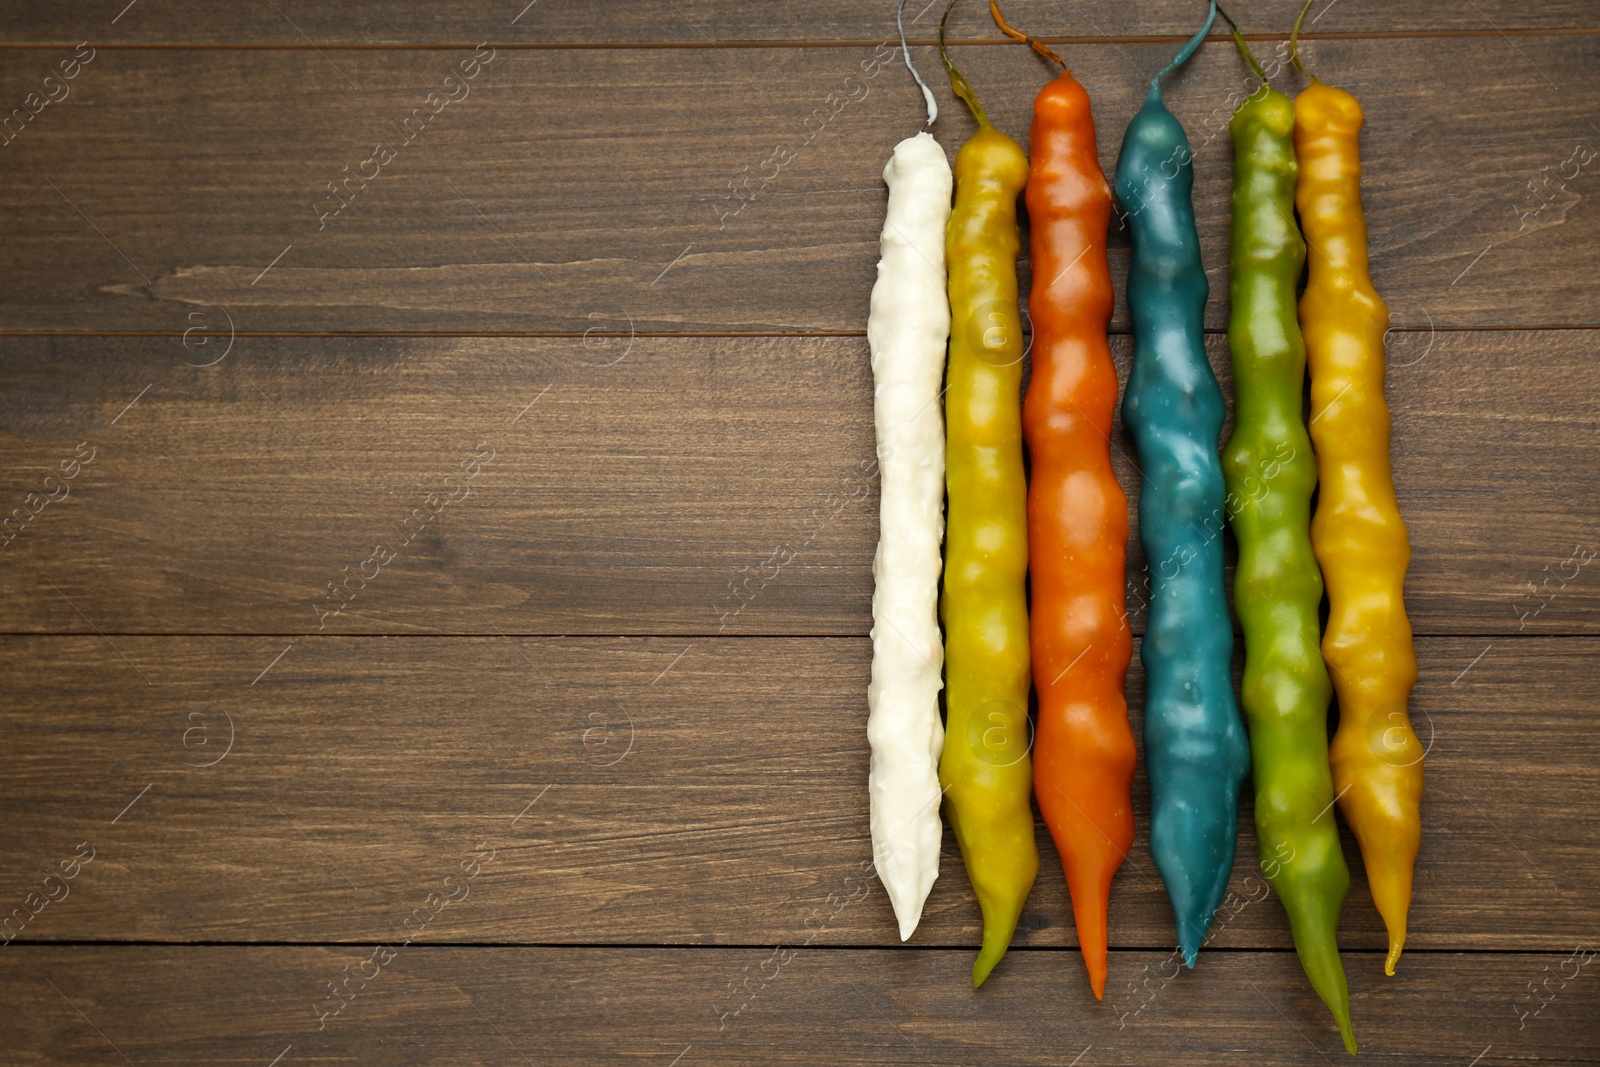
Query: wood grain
x: 701, y: 190
x: 233, y: 1005
x: 691, y: 486
x: 660, y: 791
x: 282, y: 746
x: 289, y: 23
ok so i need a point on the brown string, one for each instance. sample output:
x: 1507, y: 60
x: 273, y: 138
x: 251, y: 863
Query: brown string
x: 1010, y: 31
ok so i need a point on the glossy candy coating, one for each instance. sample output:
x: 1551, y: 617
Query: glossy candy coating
x: 1277, y: 588
x: 1195, y: 746
x: 1359, y: 537
x: 1077, y: 518
x: 985, y: 769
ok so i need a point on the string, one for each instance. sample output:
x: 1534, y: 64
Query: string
x: 1188, y: 50
x: 1016, y: 34
x: 958, y: 81
x: 1294, y: 39
x: 927, y: 93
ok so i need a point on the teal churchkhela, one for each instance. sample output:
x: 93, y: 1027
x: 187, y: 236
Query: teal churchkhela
x: 1194, y: 741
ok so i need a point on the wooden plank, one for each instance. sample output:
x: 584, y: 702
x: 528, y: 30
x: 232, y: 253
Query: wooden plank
x: 561, y: 193
x: 696, y: 22
x: 659, y: 791
x: 693, y: 486
x: 243, y: 1006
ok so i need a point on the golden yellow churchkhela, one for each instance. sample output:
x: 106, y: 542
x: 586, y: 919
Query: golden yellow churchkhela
x: 1357, y: 533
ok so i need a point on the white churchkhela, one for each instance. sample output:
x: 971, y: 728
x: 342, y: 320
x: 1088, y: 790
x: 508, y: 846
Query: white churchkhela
x: 907, y: 331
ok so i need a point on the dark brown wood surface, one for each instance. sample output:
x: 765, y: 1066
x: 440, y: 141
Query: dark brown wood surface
x: 299, y: 23
x: 649, y: 484
x: 683, y: 791
x: 580, y: 739
x: 498, y: 1005
x: 580, y: 189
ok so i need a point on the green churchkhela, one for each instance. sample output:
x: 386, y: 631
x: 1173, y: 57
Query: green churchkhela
x: 1195, y: 747
x: 1277, y: 588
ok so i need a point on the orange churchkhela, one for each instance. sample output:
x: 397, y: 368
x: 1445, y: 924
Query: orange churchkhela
x: 1077, y: 513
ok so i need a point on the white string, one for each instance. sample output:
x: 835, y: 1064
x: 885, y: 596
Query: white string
x: 927, y: 94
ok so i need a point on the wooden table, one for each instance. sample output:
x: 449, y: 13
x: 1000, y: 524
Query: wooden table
x: 443, y: 513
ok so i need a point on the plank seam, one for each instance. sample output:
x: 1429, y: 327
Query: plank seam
x: 751, y: 947
x: 707, y: 45
x: 1211, y: 331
